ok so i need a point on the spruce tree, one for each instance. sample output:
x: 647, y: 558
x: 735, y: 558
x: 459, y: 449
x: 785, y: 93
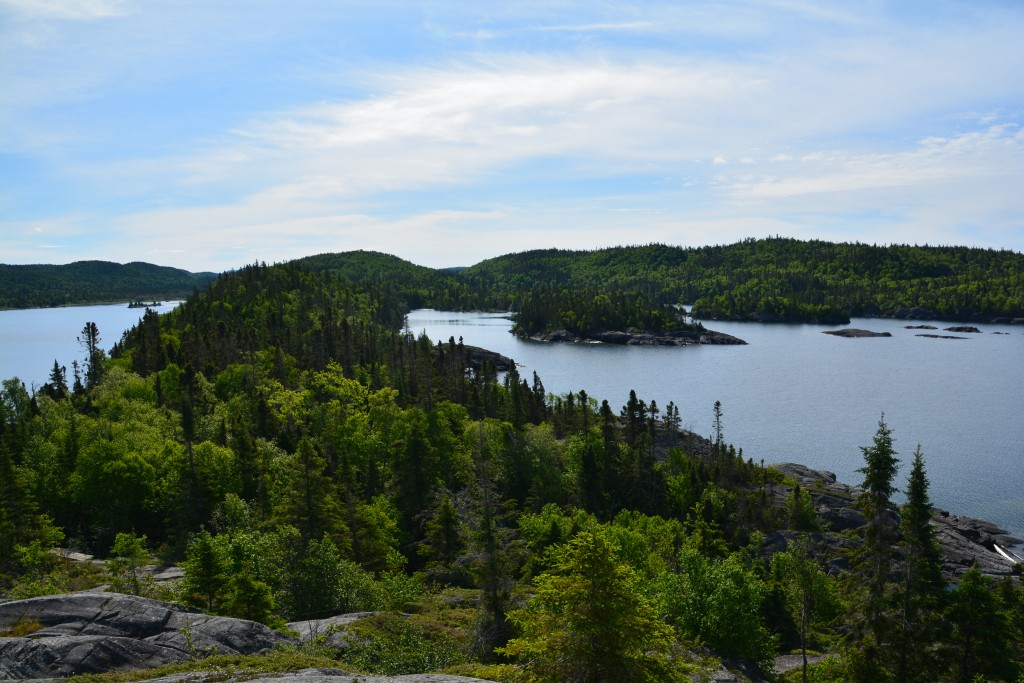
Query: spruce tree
x: 880, y: 534
x: 923, y: 585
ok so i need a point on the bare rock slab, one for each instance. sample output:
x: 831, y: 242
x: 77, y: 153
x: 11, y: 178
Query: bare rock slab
x: 95, y: 632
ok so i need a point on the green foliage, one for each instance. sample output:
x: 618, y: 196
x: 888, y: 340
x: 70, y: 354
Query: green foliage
x: 800, y: 511
x: 590, y: 621
x: 390, y: 644
x: 719, y: 603
x: 125, y: 566
x: 775, y: 279
x: 41, y: 286
x: 301, y: 455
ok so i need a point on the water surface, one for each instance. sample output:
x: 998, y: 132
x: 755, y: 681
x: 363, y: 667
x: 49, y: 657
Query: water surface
x: 795, y: 394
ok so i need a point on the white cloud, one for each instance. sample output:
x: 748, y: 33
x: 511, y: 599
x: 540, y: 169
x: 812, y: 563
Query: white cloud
x: 82, y: 10
x: 981, y: 156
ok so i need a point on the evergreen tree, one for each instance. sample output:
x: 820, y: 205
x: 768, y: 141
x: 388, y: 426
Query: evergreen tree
x: 874, y: 560
x: 923, y: 585
x: 981, y: 637
x: 590, y: 622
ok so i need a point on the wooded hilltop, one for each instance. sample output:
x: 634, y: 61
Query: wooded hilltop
x: 298, y: 454
x: 778, y: 279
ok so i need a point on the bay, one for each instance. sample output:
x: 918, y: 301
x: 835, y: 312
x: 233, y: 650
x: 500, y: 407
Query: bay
x: 795, y: 394
x: 31, y: 339
x: 791, y: 394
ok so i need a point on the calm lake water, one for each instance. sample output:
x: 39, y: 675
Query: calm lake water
x: 31, y: 339
x: 795, y: 394
x: 791, y: 394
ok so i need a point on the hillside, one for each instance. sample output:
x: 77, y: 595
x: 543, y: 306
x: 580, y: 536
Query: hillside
x: 298, y: 456
x: 778, y: 279
x: 40, y: 286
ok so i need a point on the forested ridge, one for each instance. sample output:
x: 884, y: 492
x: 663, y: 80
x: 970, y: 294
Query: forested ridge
x: 82, y: 282
x: 283, y: 438
x: 774, y: 279
x: 778, y: 279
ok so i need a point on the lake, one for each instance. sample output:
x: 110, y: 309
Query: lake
x: 31, y: 339
x: 795, y: 394
x: 791, y: 394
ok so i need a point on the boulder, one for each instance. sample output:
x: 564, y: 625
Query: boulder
x: 963, y: 328
x: 95, y: 632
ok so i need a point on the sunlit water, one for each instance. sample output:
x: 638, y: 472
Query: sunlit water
x: 791, y: 394
x: 795, y: 394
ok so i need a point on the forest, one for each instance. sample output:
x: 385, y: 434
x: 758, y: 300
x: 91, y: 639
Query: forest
x: 766, y: 280
x: 283, y: 438
x: 89, y: 282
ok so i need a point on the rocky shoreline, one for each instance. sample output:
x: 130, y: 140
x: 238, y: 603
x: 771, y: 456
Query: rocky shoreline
x: 634, y: 337
x: 965, y: 541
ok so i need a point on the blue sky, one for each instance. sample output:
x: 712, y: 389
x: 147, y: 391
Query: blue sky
x: 211, y: 134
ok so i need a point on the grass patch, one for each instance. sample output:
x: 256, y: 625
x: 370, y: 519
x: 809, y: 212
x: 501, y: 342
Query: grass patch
x: 223, y: 667
x: 21, y: 629
x: 392, y: 644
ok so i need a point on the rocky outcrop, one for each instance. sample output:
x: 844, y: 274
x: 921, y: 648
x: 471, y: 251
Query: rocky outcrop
x: 964, y: 328
x: 854, y: 332
x: 634, y: 337
x: 920, y: 327
x: 79, y: 633
x: 479, y: 357
x: 939, y: 336
x: 964, y: 541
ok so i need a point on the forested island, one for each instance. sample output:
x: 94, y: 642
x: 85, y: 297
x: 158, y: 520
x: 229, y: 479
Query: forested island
x: 296, y: 454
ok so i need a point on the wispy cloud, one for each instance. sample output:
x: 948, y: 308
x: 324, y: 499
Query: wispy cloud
x: 583, y: 28
x: 82, y: 10
x: 319, y: 128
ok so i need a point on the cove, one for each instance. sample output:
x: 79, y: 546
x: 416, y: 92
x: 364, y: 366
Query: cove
x: 795, y: 394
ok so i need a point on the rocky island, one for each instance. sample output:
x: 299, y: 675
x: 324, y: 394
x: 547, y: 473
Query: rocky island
x: 635, y: 337
x: 854, y: 332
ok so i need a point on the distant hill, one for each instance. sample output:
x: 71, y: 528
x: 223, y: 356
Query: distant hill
x: 417, y: 286
x: 82, y: 282
x: 778, y: 279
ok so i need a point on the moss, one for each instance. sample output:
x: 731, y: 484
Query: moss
x: 21, y: 629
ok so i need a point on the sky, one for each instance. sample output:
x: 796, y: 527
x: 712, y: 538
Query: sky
x: 212, y: 134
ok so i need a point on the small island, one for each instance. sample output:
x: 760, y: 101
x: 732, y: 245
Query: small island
x: 143, y: 304
x: 854, y: 332
x: 626, y: 318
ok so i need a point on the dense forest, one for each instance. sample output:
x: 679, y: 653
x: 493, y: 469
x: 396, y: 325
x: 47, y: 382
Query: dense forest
x: 778, y: 279
x: 86, y: 282
x: 768, y: 280
x: 286, y: 441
